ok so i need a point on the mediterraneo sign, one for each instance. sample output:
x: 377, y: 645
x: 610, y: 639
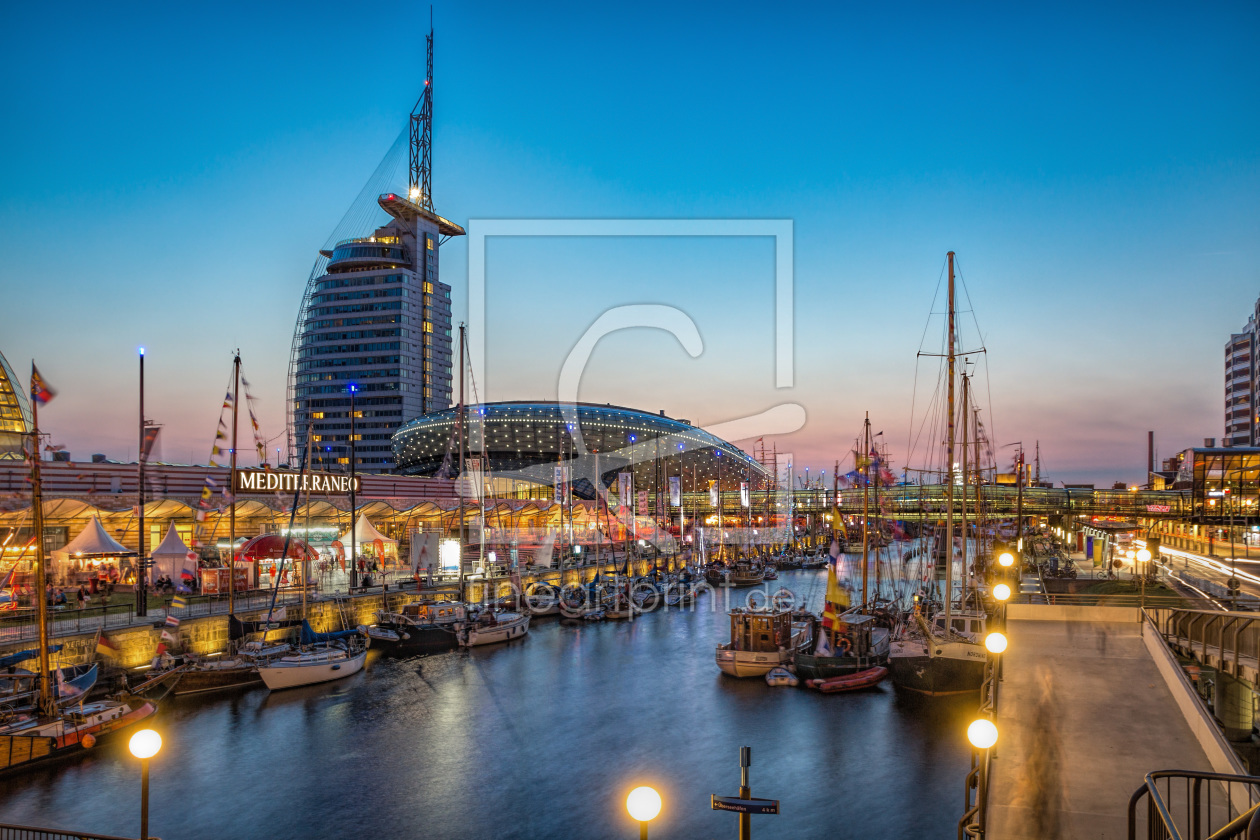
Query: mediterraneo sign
x: 276, y: 481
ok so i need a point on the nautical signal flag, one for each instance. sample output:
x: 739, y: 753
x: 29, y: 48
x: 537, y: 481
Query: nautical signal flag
x: 40, y: 392
x: 178, y: 602
x: 105, y: 647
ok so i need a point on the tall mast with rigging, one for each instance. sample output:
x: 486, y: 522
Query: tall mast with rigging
x: 236, y: 388
x: 949, y: 452
x: 47, y: 705
x: 866, y: 500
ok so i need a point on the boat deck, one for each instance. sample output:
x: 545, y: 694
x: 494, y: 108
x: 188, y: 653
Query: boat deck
x: 1084, y: 713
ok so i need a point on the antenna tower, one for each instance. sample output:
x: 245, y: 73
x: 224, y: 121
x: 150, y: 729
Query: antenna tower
x: 420, y: 180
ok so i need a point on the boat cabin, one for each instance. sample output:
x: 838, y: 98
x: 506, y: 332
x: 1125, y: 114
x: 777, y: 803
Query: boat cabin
x: 441, y: 613
x: 856, y: 629
x: 969, y: 624
x: 755, y: 630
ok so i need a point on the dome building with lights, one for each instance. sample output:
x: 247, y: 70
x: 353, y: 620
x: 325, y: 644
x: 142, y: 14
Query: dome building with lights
x: 524, y: 444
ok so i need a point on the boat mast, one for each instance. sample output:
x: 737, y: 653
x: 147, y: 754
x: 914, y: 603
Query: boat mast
x: 236, y: 387
x: 866, y: 501
x: 949, y: 451
x: 47, y: 706
x: 461, y: 423
x: 966, y: 412
x: 306, y: 542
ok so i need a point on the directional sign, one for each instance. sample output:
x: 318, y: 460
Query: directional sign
x: 744, y: 806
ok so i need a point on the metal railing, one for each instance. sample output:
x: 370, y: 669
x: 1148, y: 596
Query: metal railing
x: 1210, y: 634
x: 27, y: 832
x: 1192, y: 805
x: 975, y: 807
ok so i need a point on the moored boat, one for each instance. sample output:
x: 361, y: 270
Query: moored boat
x: 780, y: 676
x: 322, y: 657
x: 855, y: 645
x: 851, y: 682
x: 418, y: 628
x: 762, y: 640
x: 491, y: 627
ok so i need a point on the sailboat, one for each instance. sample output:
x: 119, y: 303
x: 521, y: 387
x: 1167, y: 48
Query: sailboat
x: 322, y: 657
x: 48, y: 729
x: 946, y: 656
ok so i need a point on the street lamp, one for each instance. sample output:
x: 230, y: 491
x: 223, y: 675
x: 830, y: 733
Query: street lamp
x: 1001, y: 592
x: 982, y: 733
x: 644, y: 804
x: 995, y: 642
x: 1006, y: 559
x: 144, y: 745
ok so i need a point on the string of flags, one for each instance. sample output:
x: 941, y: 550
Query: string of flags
x: 260, y: 442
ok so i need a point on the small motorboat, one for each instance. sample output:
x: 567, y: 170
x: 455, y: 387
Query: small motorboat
x: 851, y: 682
x: 490, y: 627
x: 779, y: 676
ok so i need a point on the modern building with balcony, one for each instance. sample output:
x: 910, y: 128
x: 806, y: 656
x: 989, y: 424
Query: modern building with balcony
x: 1241, y: 371
x: 379, y: 318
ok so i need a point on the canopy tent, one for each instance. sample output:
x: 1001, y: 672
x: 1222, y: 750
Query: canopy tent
x: 365, y: 534
x: 95, y: 541
x: 84, y: 553
x: 172, y: 558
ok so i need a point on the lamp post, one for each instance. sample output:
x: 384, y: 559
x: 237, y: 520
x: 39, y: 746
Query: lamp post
x: 144, y: 745
x: 643, y: 803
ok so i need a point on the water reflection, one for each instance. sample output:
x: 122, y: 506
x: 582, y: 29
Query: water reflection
x: 541, y: 737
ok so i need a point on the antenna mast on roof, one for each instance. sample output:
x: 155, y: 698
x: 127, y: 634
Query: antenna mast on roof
x: 420, y: 180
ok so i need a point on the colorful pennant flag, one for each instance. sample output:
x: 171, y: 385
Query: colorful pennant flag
x: 41, y: 393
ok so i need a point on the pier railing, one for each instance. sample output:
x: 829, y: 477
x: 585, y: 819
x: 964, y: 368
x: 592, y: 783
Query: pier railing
x: 1190, y: 805
x: 976, y: 789
x: 1226, y: 640
x: 27, y: 832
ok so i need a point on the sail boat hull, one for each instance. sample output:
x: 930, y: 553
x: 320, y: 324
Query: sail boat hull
x: 950, y: 668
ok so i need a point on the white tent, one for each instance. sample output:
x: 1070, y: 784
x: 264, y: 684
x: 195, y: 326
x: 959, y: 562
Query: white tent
x: 172, y: 557
x: 93, y: 544
x: 364, y: 535
x: 94, y: 540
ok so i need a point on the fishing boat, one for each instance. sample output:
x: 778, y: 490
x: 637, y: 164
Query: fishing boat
x: 747, y: 573
x: 489, y: 627
x: 855, y: 644
x: 763, y: 639
x: 852, y: 682
x: 418, y: 628
x: 948, y: 656
x: 322, y: 657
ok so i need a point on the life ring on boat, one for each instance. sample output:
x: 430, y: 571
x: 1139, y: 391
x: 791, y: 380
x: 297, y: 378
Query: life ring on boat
x: 88, y: 741
x: 844, y: 646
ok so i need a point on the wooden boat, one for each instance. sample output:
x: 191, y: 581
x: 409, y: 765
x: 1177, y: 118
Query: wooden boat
x: 762, y: 640
x: 491, y: 627
x: 851, y: 682
x: 30, y: 739
x: 418, y: 628
x: 856, y: 645
x: 747, y: 573
x: 780, y: 676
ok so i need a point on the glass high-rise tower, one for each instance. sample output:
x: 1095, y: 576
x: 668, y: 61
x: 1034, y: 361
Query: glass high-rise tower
x: 379, y: 318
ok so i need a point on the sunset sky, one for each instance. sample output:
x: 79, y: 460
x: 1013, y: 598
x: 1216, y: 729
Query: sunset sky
x: 170, y: 171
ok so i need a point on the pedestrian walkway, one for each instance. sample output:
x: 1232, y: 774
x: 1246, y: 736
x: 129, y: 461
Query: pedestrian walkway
x: 1083, y: 713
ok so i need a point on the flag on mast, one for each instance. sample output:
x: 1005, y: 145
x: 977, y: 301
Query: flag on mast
x: 41, y: 393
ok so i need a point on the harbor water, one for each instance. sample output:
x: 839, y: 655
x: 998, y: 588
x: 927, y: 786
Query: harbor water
x: 541, y: 737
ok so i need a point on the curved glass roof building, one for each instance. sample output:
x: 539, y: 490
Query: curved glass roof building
x: 526, y: 441
x: 15, y: 412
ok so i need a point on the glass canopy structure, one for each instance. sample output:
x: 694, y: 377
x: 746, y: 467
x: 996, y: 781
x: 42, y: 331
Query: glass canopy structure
x: 15, y: 413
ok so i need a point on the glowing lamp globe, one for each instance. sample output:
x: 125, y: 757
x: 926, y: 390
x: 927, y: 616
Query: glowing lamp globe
x: 643, y: 803
x: 145, y: 743
x: 1006, y: 559
x: 1144, y: 555
x: 995, y: 642
x: 1001, y: 592
x: 982, y: 734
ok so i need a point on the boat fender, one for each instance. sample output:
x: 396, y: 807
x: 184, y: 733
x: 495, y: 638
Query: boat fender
x: 336, y: 667
x: 88, y: 741
x: 406, y: 636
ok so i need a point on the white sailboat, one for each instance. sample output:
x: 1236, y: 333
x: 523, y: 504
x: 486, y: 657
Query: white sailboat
x: 318, y: 665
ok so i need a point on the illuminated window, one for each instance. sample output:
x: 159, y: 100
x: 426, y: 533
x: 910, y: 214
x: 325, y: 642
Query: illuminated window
x: 317, y: 415
x: 428, y: 326
x: 428, y: 242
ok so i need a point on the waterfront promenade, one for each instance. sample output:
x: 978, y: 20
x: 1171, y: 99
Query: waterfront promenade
x: 1087, y: 705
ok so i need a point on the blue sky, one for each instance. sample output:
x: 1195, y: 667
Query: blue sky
x: 170, y: 170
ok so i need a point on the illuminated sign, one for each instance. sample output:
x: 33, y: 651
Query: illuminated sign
x: 274, y: 481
